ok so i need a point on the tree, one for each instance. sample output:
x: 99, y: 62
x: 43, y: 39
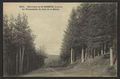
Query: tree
x: 19, y: 50
x: 91, y: 29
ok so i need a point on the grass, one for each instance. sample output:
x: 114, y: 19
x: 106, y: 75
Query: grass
x: 97, y: 67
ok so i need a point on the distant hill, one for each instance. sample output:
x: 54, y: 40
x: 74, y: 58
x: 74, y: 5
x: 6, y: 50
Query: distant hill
x: 52, y: 60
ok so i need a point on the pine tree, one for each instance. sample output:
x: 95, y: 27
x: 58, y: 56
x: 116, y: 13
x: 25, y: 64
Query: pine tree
x: 92, y: 27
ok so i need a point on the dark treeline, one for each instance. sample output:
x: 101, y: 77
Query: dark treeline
x: 91, y: 32
x: 19, y: 53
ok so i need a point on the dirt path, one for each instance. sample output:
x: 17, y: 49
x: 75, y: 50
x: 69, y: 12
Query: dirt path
x: 95, y: 69
x: 45, y: 72
x: 55, y: 72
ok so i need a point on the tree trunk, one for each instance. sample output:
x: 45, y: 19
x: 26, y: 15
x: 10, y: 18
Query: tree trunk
x: 115, y: 51
x: 17, y: 63
x: 98, y: 53
x: 88, y: 53
x: 101, y: 52
x: 82, y: 58
x: 22, y: 58
x: 94, y: 53
x: 85, y: 55
x: 104, y: 48
x: 27, y: 63
x: 111, y: 57
x: 91, y: 53
x: 71, y: 58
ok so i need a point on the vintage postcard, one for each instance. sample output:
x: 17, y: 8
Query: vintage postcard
x: 60, y: 39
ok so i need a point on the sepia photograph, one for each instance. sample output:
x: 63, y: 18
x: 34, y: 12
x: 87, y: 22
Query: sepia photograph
x: 59, y: 39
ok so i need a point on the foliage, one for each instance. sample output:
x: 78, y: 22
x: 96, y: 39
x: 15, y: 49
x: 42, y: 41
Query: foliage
x: 92, y: 26
x: 20, y: 55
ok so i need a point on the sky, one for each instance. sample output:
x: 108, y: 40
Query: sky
x: 47, y: 25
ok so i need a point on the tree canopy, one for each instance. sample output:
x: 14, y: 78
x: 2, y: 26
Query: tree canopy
x: 20, y: 55
x: 91, y: 26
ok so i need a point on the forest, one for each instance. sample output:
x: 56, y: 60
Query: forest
x: 19, y: 52
x: 91, y: 32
